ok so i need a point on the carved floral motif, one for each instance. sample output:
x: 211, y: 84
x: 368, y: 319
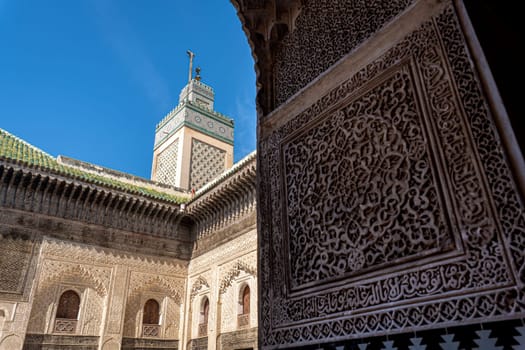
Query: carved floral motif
x: 360, y: 189
x: 233, y: 273
x: 344, y: 26
x: 472, y: 251
x: 197, y: 285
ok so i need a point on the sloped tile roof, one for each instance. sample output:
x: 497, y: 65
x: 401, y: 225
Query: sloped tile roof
x: 15, y: 149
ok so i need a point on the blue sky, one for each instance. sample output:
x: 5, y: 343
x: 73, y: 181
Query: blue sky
x: 90, y: 79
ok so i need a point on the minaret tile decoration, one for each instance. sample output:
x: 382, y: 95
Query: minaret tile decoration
x: 193, y: 143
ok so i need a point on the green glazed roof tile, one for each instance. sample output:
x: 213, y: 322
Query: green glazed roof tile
x: 14, y: 148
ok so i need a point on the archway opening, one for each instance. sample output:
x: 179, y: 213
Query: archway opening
x: 67, y: 312
x: 243, y: 316
x: 203, y: 317
x: 151, y: 319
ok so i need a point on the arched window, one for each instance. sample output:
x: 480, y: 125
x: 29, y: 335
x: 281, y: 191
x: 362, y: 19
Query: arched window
x: 150, y: 319
x: 151, y: 312
x: 67, y: 312
x: 68, y: 305
x: 243, y: 319
x: 245, y: 302
x: 203, y: 319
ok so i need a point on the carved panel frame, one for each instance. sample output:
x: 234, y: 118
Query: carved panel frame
x: 480, y: 275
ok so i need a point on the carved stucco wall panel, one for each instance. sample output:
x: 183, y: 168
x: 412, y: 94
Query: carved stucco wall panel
x: 230, y: 271
x: 201, y: 287
x: 91, y: 282
x: 93, y: 310
x: 233, y: 275
x: 13, y: 323
x: 324, y: 32
x: 238, y: 246
x: 228, y: 310
x: 139, y: 262
x: 230, y: 302
x: 16, y: 261
x: 389, y: 204
x: 102, y: 275
x: 167, y: 290
x: 172, y: 328
x: 216, y: 274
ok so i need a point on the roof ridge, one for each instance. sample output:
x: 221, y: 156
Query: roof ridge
x: 119, y: 175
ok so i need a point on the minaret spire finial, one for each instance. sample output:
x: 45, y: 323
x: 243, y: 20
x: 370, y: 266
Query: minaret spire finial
x: 190, y: 55
x: 198, y: 73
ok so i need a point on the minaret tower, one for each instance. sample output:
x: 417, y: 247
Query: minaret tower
x: 193, y: 143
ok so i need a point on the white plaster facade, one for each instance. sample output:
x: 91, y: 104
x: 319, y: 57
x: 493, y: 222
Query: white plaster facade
x: 115, y: 271
x: 219, y: 276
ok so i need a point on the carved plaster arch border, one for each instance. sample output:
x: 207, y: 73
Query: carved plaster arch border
x: 164, y: 285
x: 197, y: 285
x: 233, y: 273
x: 134, y: 303
x: 81, y: 273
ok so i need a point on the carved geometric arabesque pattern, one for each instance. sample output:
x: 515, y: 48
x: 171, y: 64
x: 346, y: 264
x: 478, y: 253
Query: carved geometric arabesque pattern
x: 61, y: 271
x: 173, y: 309
x: 93, y: 282
x: 172, y: 287
x: 197, y: 285
x: 93, y: 313
x: 368, y: 159
x: 229, y: 306
x: 56, y: 249
x: 207, y: 162
x: 325, y: 32
x: 230, y: 301
x: 233, y: 273
x: 15, y: 258
x: 167, y: 164
x: 245, y: 243
x: 451, y: 155
x: 144, y: 286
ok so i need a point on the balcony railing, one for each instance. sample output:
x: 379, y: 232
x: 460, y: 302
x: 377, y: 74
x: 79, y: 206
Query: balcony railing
x: 243, y: 320
x: 150, y: 330
x: 65, y: 325
x: 203, y: 330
